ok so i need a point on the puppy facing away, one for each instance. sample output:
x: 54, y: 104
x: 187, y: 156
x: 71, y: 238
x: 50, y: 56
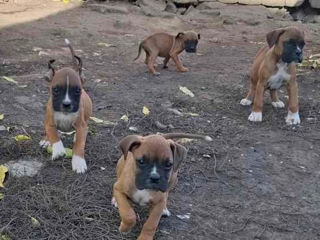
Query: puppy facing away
x: 68, y: 108
x: 146, y: 171
x: 168, y: 46
x: 274, y: 66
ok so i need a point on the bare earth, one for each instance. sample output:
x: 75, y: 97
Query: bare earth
x: 254, y: 181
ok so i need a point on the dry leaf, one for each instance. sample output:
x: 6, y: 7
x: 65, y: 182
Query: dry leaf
x: 186, y: 91
x: 185, y: 140
x: 65, y: 1
x: 125, y: 118
x: 10, y: 79
x: 1, y: 116
x: 35, y: 222
x: 98, y: 120
x: 1, y: 196
x: 3, y: 171
x: 69, y: 152
x: 4, y: 237
x: 104, y: 44
x: 22, y: 138
x: 192, y: 114
x: 145, y: 110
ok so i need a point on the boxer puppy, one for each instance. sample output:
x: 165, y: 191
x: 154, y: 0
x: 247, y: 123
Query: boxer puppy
x: 69, y: 107
x: 146, y: 172
x: 168, y: 46
x: 274, y: 66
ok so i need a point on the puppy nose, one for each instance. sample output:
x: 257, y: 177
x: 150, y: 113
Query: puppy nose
x: 155, y: 177
x: 66, y: 103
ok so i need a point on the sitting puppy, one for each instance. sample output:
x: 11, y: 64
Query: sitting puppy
x: 69, y: 107
x: 168, y: 46
x: 274, y: 66
x: 146, y: 172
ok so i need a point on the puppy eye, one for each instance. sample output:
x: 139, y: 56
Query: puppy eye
x: 78, y: 90
x: 56, y: 90
x: 168, y: 165
x: 140, y: 161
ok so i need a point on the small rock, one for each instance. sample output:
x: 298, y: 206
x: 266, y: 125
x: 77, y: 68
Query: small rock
x: 133, y: 129
x: 181, y: 11
x: 189, y: 10
x: 3, y: 128
x: 102, y: 8
x: 213, y: 13
x: 170, y: 7
x: 23, y: 168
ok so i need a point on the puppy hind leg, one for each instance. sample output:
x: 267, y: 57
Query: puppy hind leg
x: 151, y: 63
x: 165, y: 62
x: 275, y: 100
x: 247, y: 101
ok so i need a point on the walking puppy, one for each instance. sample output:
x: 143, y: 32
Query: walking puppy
x: 146, y: 172
x: 168, y: 46
x: 274, y: 66
x: 69, y: 107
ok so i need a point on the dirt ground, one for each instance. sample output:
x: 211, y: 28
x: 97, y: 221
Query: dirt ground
x: 254, y: 181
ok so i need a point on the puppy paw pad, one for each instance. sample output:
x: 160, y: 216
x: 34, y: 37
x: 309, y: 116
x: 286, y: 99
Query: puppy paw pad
x: 114, y: 202
x: 255, y: 117
x: 58, y: 150
x: 166, y: 212
x: 245, y: 102
x: 44, y: 143
x: 78, y: 164
x: 278, y: 104
x: 293, y: 118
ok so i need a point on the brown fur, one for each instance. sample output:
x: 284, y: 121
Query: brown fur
x: 85, y: 111
x: 157, y: 147
x: 166, y: 46
x: 264, y: 66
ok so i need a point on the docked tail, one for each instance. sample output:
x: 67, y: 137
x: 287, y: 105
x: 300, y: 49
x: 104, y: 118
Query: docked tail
x: 186, y: 135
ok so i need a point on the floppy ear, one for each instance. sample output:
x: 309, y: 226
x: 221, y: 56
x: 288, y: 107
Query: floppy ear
x: 198, y: 36
x: 49, y: 75
x: 273, y: 36
x: 129, y: 143
x: 179, y: 153
x: 180, y: 35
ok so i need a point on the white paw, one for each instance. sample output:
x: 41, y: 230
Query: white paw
x: 78, y: 164
x: 245, y: 102
x: 44, y: 143
x: 293, y: 118
x: 278, y: 104
x: 114, y: 202
x: 166, y: 212
x: 255, y: 117
x: 58, y: 150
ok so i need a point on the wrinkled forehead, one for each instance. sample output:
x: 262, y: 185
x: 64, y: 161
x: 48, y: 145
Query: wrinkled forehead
x: 190, y: 36
x: 66, y: 76
x: 154, y: 147
x: 293, y: 34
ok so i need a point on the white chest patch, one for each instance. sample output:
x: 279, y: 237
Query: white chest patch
x: 141, y: 197
x: 280, y: 78
x: 64, y: 121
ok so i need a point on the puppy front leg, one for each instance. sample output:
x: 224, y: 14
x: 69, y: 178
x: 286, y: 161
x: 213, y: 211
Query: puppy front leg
x: 178, y: 63
x: 78, y: 162
x: 127, y: 214
x: 293, y: 111
x: 150, y: 226
x: 256, y: 114
x: 52, y: 139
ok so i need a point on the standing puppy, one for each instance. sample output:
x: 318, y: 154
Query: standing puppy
x: 274, y: 66
x: 168, y: 46
x: 69, y: 107
x: 146, y: 172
